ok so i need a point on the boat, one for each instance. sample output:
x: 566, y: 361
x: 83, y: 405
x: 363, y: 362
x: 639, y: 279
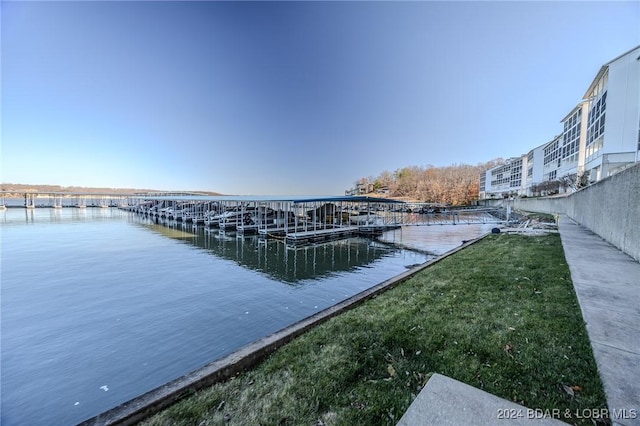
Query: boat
x: 230, y: 220
x: 366, y: 219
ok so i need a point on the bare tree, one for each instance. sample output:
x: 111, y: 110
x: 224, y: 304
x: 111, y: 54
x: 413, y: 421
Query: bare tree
x: 457, y: 184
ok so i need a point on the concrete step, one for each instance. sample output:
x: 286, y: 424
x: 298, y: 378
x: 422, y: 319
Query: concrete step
x: 445, y: 401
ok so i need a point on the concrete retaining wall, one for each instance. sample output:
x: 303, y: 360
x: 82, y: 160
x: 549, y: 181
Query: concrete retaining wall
x: 550, y: 205
x: 609, y: 208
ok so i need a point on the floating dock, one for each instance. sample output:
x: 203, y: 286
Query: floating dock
x: 296, y: 220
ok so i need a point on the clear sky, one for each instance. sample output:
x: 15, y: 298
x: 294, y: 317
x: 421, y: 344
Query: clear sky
x: 288, y: 97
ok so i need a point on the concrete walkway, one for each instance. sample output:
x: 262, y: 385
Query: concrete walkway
x: 607, y: 283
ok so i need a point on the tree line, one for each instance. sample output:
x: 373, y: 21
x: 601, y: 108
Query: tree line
x: 455, y: 185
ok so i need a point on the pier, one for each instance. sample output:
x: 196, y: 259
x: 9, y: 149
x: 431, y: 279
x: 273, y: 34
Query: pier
x: 297, y: 219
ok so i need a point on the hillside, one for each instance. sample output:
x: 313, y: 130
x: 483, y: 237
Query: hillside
x: 20, y: 188
x: 457, y: 185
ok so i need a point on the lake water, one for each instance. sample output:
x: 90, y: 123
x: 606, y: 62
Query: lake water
x: 100, y: 306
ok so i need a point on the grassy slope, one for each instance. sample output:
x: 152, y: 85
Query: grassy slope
x: 500, y: 315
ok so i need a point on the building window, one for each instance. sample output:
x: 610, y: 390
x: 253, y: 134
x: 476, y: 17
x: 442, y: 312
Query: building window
x: 595, y: 123
x: 551, y: 152
x: 571, y: 134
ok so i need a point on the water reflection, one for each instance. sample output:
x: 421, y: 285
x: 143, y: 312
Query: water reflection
x: 21, y: 215
x: 290, y: 264
x: 435, y: 240
x: 29, y: 215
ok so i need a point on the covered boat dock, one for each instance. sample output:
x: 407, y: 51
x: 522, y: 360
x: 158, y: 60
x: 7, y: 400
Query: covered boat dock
x: 295, y: 219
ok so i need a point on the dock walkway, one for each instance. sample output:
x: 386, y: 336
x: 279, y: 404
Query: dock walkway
x: 320, y: 234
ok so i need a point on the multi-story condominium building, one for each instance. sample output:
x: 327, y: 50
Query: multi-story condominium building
x: 571, y: 155
x: 613, y: 123
x: 600, y: 137
x: 483, y: 185
x: 500, y: 177
x: 552, y: 158
x: 534, y: 162
x: 508, y: 178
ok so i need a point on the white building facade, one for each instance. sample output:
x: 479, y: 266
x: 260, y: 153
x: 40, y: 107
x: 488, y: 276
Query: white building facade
x: 613, y: 122
x: 600, y: 137
x: 535, y: 160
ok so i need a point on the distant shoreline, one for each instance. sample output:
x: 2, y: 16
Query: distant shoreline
x: 16, y: 190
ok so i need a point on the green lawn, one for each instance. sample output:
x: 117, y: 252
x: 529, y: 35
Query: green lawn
x: 500, y: 315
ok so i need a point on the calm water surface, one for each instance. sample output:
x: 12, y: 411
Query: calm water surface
x: 99, y: 306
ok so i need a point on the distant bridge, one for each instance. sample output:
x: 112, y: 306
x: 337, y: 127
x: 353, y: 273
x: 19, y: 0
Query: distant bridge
x: 32, y: 199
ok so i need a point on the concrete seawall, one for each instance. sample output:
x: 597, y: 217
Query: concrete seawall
x: 610, y: 208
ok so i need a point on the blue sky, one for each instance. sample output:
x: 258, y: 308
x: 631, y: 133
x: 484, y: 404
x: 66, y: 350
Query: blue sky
x: 288, y: 97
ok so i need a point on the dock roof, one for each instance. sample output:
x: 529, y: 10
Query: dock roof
x: 296, y: 199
